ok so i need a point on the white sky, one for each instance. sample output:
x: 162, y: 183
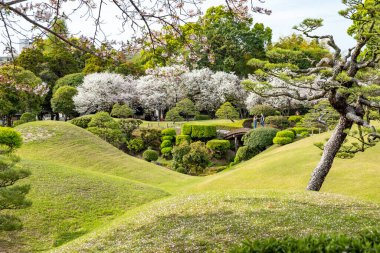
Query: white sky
x: 286, y: 14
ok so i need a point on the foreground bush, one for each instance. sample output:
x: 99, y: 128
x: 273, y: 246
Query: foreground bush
x: 368, y: 241
x: 282, y: 140
x: 244, y: 154
x: 260, y: 138
x: 218, y: 147
x: 82, y: 121
x: 150, y: 155
x: 9, y: 139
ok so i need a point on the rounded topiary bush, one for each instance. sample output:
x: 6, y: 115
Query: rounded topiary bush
x: 28, y: 117
x: 305, y: 134
x: 291, y: 129
x: 244, y: 154
x: 167, y: 138
x: 166, y: 144
x: 10, y: 138
x: 169, y: 132
x: 286, y: 133
x: 166, y: 152
x: 294, y: 119
x: 181, y: 138
x: 218, y: 147
x: 103, y: 120
x: 82, y: 121
x: 282, y: 140
x: 150, y: 155
x: 260, y: 138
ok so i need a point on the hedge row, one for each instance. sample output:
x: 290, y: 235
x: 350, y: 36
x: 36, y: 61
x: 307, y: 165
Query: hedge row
x: 199, y: 131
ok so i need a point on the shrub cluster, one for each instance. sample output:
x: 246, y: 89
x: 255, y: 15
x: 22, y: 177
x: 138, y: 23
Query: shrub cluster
x: 82, y: 121
x: 201, y: 132
x: 284, y: 137
x: 300, y: 130
x: 191, y: 159
x: 367, y: 241
x: 150, y: 155
x: 182, y: 138
x: 280, y: 122
x: 218, y: 147
x: 259, y: 139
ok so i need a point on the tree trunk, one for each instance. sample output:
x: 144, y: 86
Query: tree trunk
x: 330, y: 150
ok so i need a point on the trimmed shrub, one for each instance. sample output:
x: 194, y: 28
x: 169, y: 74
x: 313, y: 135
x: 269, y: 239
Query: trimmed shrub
x: 282, y: 140
x: 166, y: 144
x: 291, y: 129
x: 112, y: 136
x: 294, y: 119
x: 366, y: 241
x: 121, y: 111
x: 103, y: 120
x: 169, y: 132
x: 17, y: 123
x: 186, y: 129
x: 181, y: 138
x: 136, y: 145
x: 197, y: 159
x: 28, y: 117
x: 203, y: 132
x: 167, y: 152
x: 10, y: 138
x: 305, y: 134
x: 82, y: 121
x: 218, y: 147
x: 280, y: 122
x: 167, y: 138
x: 260, y: 138
x: 299, y: 130
x: 244, y: 154
x: 150, y: 155
x: 202, y: 117
x: 262, y: 109
x: 286, y: 133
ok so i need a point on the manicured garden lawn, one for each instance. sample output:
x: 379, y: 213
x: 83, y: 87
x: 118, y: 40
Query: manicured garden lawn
x: 90, y: 197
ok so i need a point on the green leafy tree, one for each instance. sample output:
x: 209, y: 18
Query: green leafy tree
x: 62, y: 101
x: 31, y: 58
x: 173, y: 115
x: 73, y: 80
x: 227, y: 111
x: 11, y: 196
x: 337, y: 79
x: 187, y: 108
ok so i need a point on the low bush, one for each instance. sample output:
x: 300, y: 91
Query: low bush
x: 136, y: 145
x: 10, y: 138
x: 190, y: 159
x: 202, y: 117
x: 167, y: 138
x: 244, y: 154
x: 28, y: 117
x: 366, y: 241
x: 150, y: 155
x: 280, y: 122
x: 292, y: 130
x: 121, y: 111
x: 103, y: 120
x: 286, y: 133
x: 167, y: 152
x: 218, y: 147
x: 260, y: 138
x: 305, y: 134
x: 182, y: 138
x: 82, y: 121
x: 282, y: 140
x: 294, y: 119
x: 169, y: 132
x: 127, y: 126
x: 112, y: 136
x: 166, y: 144
x: 299, y: 130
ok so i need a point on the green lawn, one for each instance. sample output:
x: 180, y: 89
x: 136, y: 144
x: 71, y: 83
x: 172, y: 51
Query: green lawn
x: 90, y: 197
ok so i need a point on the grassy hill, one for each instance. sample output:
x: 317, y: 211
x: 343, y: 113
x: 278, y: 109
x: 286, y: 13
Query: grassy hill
x: 90, y: 197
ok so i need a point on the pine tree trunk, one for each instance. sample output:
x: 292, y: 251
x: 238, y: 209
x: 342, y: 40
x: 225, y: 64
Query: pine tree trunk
x: 331, y: 149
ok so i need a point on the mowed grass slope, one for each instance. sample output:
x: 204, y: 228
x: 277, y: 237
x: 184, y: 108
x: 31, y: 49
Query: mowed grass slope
x: 289, y: 168
x: 67, y: 145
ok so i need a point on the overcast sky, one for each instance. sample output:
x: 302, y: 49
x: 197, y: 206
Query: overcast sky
x: 286, y: 14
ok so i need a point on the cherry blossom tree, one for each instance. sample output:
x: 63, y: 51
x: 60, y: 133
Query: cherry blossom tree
x: 100, y: 91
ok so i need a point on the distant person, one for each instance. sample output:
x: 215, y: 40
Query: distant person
x: 254, y: 122
x: 262, y: 120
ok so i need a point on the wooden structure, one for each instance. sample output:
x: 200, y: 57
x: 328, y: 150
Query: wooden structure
x: 236, y: 135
